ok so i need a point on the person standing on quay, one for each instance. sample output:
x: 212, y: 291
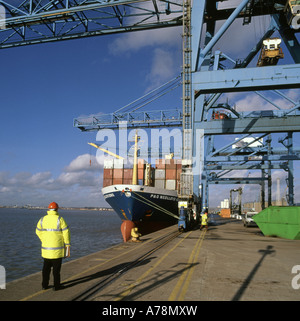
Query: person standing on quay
x: 204, y: 220
x: 54, y: 234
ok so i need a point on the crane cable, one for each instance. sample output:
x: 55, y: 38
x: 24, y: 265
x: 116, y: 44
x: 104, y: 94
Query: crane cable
x: 172, y: 84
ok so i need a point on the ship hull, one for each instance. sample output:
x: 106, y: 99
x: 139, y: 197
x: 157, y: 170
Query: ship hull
x: 148, y: 207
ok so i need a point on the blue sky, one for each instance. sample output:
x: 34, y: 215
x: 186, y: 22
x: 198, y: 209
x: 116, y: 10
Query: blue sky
x: 43, y: 87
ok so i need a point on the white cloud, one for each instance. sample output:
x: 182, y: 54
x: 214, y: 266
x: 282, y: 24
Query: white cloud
x: 79, y: 184
x: 163, y: 46
x: 83, y: 163
x: 135, y: 41
x: 162, y: 68
x: 252, y: 101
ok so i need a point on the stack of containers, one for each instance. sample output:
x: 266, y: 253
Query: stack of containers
x: 160, y: 173
x: 108, y: 172
x: 167, y: 173
x: 127, y: 175
x: 118, y: 171
x: 141, y: 170
x: 171, y: 174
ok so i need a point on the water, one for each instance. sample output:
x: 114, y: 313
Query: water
x: 20, y: 248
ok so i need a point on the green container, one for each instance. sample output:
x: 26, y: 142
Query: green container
x: 281, y: 221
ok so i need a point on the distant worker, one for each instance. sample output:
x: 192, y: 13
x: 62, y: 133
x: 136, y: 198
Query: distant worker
x: 54, y: 234
x: 204, y: 220
x: 135, y: 235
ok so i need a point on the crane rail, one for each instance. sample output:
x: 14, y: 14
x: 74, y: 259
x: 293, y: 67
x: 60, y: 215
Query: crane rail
x: 88, y: 294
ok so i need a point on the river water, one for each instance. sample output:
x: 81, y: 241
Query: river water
x: 20, y: 248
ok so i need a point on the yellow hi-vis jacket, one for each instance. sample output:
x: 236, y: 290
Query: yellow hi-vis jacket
x: 204, y: 219
x: 54, y: 234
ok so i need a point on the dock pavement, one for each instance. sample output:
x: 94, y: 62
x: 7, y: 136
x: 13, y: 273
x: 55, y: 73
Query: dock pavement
x: 228, y: 262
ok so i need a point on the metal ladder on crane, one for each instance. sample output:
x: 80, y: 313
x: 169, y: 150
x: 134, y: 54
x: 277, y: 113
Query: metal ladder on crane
x: 186, y: 178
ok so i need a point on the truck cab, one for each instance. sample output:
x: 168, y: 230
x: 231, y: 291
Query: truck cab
x: 248, y: 219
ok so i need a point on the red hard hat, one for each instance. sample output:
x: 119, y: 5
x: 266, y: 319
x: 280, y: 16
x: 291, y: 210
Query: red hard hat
x: 53, y: 206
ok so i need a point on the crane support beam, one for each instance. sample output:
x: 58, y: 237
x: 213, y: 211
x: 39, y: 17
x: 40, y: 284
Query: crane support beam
x: 32, y: 22
x: 246, y: 158
x: 247, y: 79
x: 252, y: 180
x: 245, y: 166
x: 150, y: 119
x: 251, y: 125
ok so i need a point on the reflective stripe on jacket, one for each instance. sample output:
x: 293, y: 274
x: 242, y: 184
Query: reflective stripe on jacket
x: 54, y: 234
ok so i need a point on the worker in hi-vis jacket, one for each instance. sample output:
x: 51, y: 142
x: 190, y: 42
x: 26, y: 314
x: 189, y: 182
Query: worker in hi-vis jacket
x: 54, y: 234
x: 204, y: 220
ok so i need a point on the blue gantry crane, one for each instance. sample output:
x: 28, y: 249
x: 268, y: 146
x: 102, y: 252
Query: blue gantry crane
x: 209, y: 74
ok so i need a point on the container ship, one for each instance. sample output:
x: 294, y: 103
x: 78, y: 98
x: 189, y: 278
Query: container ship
x: 143, y: 196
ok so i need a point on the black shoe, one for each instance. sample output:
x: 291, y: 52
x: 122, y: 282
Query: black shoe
x: 45, y: 287
x: 57, y: 288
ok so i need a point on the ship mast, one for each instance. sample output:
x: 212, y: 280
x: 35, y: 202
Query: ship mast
x: 134, y: 174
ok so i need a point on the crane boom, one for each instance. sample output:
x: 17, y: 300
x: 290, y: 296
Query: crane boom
x: 106, y: 151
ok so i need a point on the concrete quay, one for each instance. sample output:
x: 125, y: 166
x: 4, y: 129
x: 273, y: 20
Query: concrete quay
x: 226, y: 263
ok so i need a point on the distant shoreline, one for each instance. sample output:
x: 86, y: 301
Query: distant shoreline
x: 29, y: 207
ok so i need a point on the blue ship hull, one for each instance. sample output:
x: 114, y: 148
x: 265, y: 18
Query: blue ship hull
x: 148, y: 207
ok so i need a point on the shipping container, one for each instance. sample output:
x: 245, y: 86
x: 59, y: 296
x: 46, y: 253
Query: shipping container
x: 141, y: 163
x: 225, y: 212
x: 107, y: 173
x: 170, y: 173
x: 160, y: 174
x: 127, y: 173
x: 118, y: 163
x: 140, y: 173
x: 178, y: 164
x: 159, y: 183
x: 160, y: 163
x: 117, y: 181
x: 127, y: 181
x: 107, y: 182
x: 170, y: 164
x: 118, y: 173
x: 171, y: 184
x: 109, y: 163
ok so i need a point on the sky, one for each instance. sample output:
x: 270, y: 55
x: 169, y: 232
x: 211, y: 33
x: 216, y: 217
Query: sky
x: 44, y: 87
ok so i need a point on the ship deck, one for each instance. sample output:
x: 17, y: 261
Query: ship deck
x: 226, y: 263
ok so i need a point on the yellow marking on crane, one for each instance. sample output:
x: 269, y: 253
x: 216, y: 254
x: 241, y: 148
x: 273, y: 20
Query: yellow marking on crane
x: 106, y: 151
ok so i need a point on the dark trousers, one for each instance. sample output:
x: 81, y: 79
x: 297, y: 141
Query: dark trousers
x: 56, y: 265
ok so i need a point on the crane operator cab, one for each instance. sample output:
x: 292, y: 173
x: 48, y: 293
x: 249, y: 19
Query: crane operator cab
x: 292, y: 12
x: 270, y: 53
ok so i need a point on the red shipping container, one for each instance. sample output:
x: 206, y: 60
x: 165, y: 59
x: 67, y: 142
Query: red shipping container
x: 127, y: 181
x: 107, y: 182
x: 140, y: 173
x: 107, y: 173
x: 127, y: 174
x: 117, y: 181
x: 178, y: 164
x: 225, y: 212
x: 170, y: 173
x: 118, y: 173
x: 141, y: 163
x: 160, y: 163
x: 170, y: 164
